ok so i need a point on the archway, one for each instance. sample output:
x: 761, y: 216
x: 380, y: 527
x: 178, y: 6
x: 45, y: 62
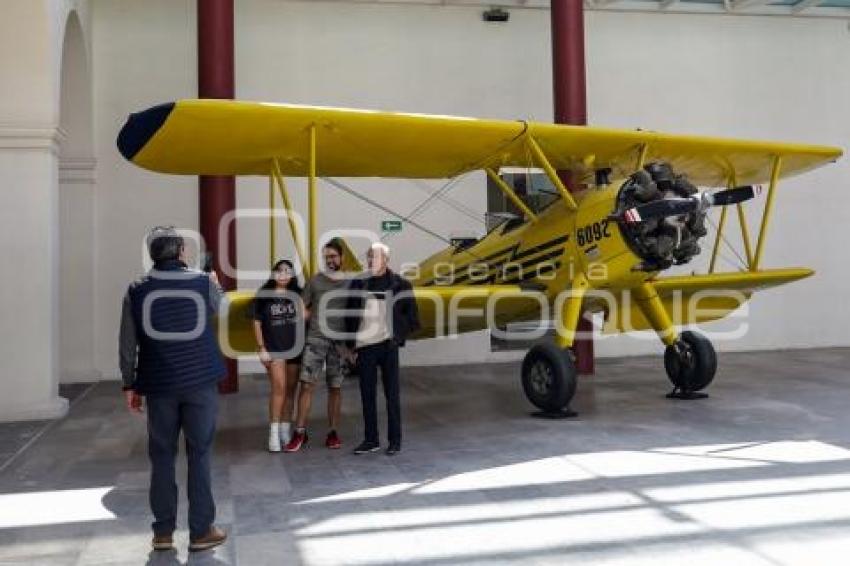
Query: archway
x: 76, y: 210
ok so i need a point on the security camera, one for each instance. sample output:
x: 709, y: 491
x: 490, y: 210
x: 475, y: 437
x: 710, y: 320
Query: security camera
x: 495, y: 15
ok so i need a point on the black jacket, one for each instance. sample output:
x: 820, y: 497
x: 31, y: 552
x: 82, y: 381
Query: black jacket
x: 405, y: 313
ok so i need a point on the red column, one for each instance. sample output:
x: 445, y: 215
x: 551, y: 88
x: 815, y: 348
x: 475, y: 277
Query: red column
x: 217, y: 195
x: 570, y: 98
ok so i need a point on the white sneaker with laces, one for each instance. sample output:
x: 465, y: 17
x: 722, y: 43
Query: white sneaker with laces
x: 274, y: 437
x: 285, y: 433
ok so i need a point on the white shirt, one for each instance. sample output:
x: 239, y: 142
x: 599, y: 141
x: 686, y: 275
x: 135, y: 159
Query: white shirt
x: 373, y: 326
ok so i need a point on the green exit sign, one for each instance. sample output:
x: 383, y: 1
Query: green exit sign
x: 391, y: 225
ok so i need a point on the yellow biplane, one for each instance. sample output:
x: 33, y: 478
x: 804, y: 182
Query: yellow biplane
x: 598, y: 249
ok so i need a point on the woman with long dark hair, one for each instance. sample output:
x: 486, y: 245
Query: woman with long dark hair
x: 279, y: 330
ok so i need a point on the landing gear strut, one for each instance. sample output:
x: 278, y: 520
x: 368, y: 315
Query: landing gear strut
x: 691, y: 364
x: 549, y: 380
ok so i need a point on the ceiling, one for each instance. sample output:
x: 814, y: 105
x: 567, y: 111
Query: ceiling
x: 790, y: 8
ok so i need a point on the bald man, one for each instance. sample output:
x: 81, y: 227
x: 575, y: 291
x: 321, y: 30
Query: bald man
x: 383, y: 313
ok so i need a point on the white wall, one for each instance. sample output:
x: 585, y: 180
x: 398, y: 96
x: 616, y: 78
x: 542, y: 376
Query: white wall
x: 25, y: 60
x: 32, y: 139
x: 761, y: 77
x: 144, y: 54
x: 441, y: 60
x: 750, y: 77
x: 77, y: 234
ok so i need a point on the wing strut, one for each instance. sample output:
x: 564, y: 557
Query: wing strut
x: 272, y: 236
x: 745, y: 234
x: 311, y: 201
x: 644, y: 151
x: 717, y: 239
x: 753, y: 259
x: 551, y: 173
x: 511, y: 194
x: 768, y: 210
x: 276, y: 178
x: 307, y: 259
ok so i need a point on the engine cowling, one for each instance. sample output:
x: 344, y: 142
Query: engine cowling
x: 660, y: 242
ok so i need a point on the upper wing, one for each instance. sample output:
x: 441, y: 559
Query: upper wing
x: 707, y: 161
x: 225, y: 137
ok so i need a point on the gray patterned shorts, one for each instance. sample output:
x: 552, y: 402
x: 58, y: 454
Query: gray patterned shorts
x: 322, y: 353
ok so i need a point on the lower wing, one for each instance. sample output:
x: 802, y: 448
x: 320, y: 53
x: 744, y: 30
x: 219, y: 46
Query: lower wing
x: 691, y: 299
x: 443, y: 310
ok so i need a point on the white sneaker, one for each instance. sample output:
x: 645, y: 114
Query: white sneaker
x: 274, y: 437
x: 285, y: 433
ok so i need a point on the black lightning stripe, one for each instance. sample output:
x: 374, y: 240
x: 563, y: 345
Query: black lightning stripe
x: 515, y: 255
x: 546, y: 268
x: 519, y: 255
x: 523, y: 266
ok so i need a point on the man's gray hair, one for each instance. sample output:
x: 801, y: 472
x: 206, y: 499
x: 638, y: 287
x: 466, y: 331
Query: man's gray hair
x: 381, y: 247
x: 164, y: 244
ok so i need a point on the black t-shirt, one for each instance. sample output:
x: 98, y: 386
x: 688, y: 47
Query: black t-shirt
x: 279, y: 318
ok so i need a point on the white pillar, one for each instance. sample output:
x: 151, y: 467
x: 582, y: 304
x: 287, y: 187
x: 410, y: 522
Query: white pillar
x: 29, y: 299
x: 76, y: 270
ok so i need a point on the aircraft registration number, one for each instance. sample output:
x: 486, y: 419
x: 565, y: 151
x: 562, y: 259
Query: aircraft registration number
x: 593, y: 233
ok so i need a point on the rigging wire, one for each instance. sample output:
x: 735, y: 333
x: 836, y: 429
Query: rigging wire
x: 450, y: 202
x: 729, y: 245
x: 439, y: 193
x: 461, y: 174
x: 422, y: 206
x: 345, y: 188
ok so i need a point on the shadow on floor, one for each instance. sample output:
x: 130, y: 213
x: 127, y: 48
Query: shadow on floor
x: 758, y: 473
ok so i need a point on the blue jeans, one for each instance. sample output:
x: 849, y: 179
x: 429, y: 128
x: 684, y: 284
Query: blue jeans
x: 194, y: 412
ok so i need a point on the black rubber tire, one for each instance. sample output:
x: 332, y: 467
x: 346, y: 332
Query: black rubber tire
x: 699, y: 373
x: 549, y: 377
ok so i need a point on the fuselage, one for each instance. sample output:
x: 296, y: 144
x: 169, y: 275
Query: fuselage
x: 543, y: 256
x: 546, y: 253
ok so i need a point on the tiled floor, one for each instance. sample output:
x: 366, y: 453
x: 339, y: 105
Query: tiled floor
x: 759, y: 473
x: 16, y: 436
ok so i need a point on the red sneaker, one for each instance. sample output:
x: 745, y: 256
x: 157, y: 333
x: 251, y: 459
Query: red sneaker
x: 332, y: 441
x: 299, y: 439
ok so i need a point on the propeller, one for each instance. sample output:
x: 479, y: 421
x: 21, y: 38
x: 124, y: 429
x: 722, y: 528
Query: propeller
x: 663, y: 208
x: 733, y: 196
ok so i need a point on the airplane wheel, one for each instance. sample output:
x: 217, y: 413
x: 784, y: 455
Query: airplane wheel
x: 548, y: 377
x: 692, y: 363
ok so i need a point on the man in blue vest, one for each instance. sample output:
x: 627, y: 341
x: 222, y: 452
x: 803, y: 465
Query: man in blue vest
x: 169, y: 357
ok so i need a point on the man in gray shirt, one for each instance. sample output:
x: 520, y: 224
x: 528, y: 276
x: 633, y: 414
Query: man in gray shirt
x: 321, y: 351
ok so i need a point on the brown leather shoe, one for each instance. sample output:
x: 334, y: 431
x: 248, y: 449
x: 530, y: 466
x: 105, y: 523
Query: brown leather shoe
x: 213, y: 538
x: 162, y: 542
